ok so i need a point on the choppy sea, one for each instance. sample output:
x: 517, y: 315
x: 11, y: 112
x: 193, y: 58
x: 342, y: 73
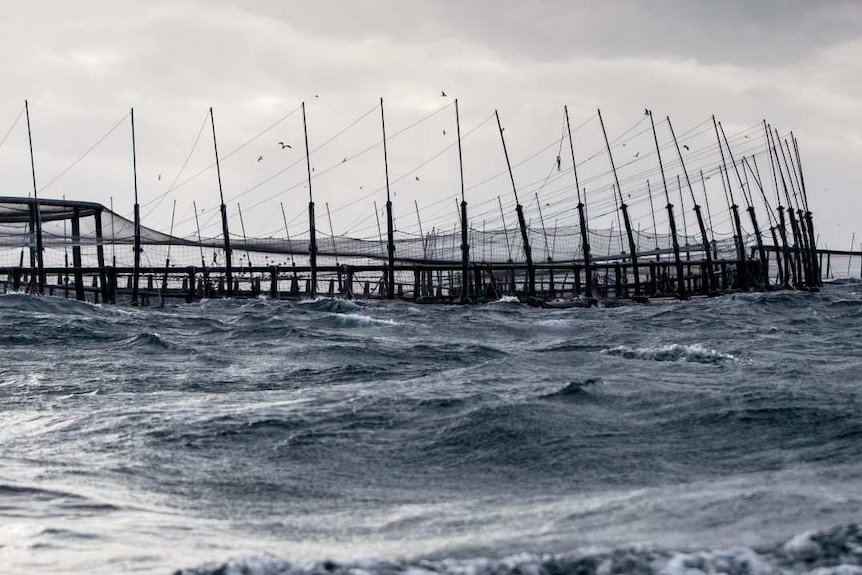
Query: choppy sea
x: 256, y: 437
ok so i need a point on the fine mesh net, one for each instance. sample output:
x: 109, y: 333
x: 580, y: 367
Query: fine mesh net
x: 98, y: 225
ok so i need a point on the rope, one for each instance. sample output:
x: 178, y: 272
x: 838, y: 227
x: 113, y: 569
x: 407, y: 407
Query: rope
x: 9, y: 132
x: 85, y: 154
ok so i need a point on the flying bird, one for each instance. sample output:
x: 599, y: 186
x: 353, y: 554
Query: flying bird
x: 444, y: 132
x: 316, y: 95
x: 343, y: 160
x: 283, y: 145
x: 417, y: 178
x: 646, y: 112
x: 637, y: 153
x: 160, y: 177
x: 686, y: 147
x: 442, y: 94
x: 259, y: 158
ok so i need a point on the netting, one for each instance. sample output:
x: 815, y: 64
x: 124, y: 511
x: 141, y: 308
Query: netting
x: 562, y: 244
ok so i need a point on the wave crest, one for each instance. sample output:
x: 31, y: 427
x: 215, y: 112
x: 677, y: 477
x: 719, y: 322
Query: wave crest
x: 696, y: 353
x: 837, y: 550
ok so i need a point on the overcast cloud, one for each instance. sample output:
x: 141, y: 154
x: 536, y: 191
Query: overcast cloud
x: 82, y: 65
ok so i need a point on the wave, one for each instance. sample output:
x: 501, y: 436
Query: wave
x: 575, y: 388
x: 833, y: 551
x: 355, y: 319
x: 695, y: 353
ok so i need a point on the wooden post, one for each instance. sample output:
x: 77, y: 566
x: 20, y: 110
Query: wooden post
x: 100, y: 256
x: 76, y: 253
x: 190, y: 294
x: 111, y: 279
x: 273, y: 282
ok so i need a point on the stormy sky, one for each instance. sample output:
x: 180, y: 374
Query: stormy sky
x: 83, y: 65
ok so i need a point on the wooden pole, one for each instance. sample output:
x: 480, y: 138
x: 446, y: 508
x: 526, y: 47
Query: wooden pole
x: 76, y: 254
x: 528, y: 254
x: 286, y: 232
x: 224, y: 226
x: 312, y: 227
x: 710, y: 285
x: 137, y: 242
x: 742, y: 271
x: 632, y: 246
x: 37, y: 223
x: 168, y: 256
x: 244, y: 237
x: 100, y: 255
x: 390, y: 227
x: 680, y: 274
x: 750, y: 208
x: 465, y: 244
x: 582, y: 219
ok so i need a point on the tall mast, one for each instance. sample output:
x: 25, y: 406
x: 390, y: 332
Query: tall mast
x: 200, y: 240
x: 244, y: 237
x: 750, y: 209
x: 465, y: 244
x: 789, y: 269
x: 390, y: 227
x: 224, y: 227
x: 624, y: 209
x: 704, y: 239
x: 528, y: 254
x: 740, y: 245
x: 773, y: 223
x: 286, y: 232
x: 37, y: 217
x: 680, y: 274
x: 582, y: 219
x: 312, y: 230
x: 654, y: 225
x: 793, y: 261
x: 505, y: 229
x: 137, y: 246
x: 809, y: 218
x: 800, y: 246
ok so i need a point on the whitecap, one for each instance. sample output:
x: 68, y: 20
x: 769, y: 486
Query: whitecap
x: 696, y: 353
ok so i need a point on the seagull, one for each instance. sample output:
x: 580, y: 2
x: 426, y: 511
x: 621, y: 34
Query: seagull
x: 442, y: 94
x: 283, y: 145
x: 684, y: 146
x: 259, y: 158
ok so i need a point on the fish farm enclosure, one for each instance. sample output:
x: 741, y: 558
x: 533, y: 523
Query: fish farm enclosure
x: 609, y: 246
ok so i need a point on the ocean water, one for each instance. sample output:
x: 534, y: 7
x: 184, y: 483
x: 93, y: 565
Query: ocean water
x: 226, y: 437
